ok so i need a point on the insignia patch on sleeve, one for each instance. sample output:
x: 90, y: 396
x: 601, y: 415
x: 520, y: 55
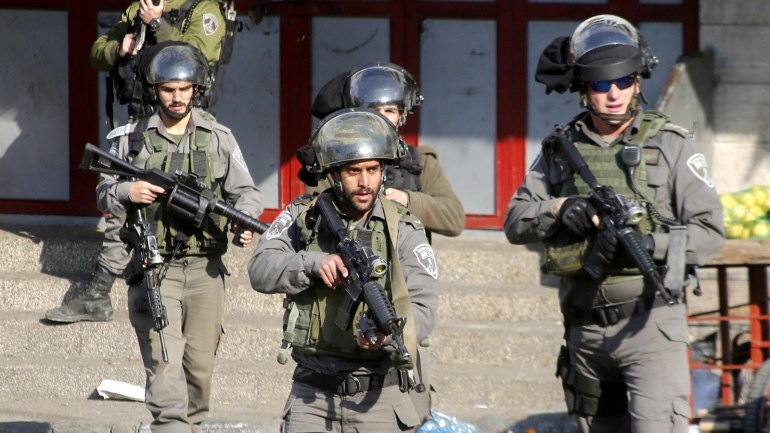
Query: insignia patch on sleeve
x: 279, y: 225
x: 699, y: 167
x: 210, y: 24
x: 238, y: 157
x: 424, y: 254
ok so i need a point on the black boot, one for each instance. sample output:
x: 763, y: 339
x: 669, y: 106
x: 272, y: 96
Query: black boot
x: 91, y: 304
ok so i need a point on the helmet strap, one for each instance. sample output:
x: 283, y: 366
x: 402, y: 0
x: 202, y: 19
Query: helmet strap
x: 612, y: 119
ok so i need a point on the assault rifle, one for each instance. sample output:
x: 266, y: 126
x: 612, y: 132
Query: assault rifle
x: 145, y: 265
x: 619, y: 212
x: 362, y: 265
x: 187, y: 196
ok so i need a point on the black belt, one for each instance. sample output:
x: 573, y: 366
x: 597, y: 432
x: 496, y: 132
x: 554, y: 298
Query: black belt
x: 611, y: 314
x: 349, y: 384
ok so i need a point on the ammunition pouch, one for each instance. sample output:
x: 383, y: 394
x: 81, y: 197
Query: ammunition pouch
x: 589, y: 397
x: 564, y: 255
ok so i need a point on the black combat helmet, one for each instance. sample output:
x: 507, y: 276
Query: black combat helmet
x: 384, y: 83
x: 353, y: 134
x: 607, y: 47
x: 345, y: 136
x: 181, y: 62
x: 367, y: 86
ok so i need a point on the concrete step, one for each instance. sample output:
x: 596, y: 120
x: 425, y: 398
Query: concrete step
x: 461, y: 389
x: 460, y: 302
x: 257, y: 338
x: 492, y: 353
x: 64, y: 251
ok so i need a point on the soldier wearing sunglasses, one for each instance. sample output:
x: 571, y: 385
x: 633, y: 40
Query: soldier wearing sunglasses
x: 624, y: 365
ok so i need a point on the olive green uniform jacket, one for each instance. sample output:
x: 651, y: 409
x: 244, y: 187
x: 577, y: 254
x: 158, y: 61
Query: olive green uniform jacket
x: 206, y: 31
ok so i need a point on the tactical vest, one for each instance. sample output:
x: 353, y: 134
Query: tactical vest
x: 406, y: 176
x: 211, y: 237
x: 308, y: 324
x: 564, y: 254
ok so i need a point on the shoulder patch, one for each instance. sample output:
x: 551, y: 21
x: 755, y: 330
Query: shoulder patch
x: 210, y: 24
x: 238, y: 157
x: 699, y: 167
x: 279, y: 225
x: 426, y: 258
x: 121, y: 131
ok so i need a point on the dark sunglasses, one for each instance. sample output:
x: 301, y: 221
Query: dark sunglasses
x: 622, y: 83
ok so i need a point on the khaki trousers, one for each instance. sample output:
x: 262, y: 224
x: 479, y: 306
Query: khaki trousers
x: 178, y: 391
x: 647, y: 352
x: 386, y: 410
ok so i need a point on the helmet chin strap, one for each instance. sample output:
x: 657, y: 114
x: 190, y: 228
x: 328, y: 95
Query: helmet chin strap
x: 613, y: 119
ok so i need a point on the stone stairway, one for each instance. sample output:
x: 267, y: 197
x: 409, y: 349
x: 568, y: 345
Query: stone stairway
x: 492, y: 352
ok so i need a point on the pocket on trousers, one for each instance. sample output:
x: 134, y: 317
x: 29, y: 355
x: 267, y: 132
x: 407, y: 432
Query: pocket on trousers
x: 674, y: 328
x: 405, y: 413
x: 681, y: 408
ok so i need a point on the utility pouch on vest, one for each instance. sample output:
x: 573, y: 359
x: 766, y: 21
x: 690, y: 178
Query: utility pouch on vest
x: 677, y: 243
x: 564, y: 255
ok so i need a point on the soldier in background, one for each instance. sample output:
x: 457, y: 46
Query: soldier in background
x: 181, y: 137
x: 203, y: 27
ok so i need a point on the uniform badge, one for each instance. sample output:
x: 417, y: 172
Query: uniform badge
x: 427, y: 260
x: 279, y: 225
x: 210, y: 24
x: 699, y: 167
x: 238, y: 157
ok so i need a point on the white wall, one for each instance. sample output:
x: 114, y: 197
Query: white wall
x: 738, y: 31
x: 34, y: 112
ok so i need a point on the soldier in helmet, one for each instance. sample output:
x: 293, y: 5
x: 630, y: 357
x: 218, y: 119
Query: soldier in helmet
x: 624, y: 367
x: 417, y: 180
x: 199, y: 23
x: 343, y: 381
x: 180, y: 136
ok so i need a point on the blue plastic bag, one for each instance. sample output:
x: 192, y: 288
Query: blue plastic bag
x: 443, y: 423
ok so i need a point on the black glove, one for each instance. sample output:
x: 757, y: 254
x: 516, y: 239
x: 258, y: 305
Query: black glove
x: 576, y: 213
x: 601, y: 254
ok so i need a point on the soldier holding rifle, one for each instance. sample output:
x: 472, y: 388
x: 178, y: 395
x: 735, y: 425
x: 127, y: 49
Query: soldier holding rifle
x: 181, y: 138
x: 623, y: 201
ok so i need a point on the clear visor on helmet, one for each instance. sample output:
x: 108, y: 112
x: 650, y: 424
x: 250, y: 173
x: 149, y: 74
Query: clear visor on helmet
x: 176, y: 63
x: 601, y: 31
x: 379, y: 85
x: 354, y: 135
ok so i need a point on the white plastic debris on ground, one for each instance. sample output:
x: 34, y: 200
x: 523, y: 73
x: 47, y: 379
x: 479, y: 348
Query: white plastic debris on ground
x: 116, y: 390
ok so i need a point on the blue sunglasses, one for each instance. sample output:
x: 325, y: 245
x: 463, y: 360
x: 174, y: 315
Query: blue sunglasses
x: 622, y: 83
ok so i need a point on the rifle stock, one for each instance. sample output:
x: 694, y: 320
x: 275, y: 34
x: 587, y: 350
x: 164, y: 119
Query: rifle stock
x: 610, y: 205
x: 186, y: 194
